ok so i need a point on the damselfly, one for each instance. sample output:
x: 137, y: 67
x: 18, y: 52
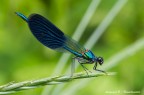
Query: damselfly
x: 52, y: 37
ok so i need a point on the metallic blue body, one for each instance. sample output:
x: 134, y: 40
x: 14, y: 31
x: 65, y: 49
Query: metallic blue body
x: 50, y: 36
x: 90, y: 55
x: 22, y: 16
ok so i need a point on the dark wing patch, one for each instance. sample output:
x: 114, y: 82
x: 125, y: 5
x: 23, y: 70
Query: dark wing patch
x: 46, y: 32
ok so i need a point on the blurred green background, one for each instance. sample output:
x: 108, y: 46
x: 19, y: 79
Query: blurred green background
x: 22, y: 57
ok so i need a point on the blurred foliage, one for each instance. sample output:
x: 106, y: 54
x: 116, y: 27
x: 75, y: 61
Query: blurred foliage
x: 22, y: 57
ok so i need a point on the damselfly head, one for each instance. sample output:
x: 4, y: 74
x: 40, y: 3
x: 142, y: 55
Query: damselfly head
x: 100, y: 60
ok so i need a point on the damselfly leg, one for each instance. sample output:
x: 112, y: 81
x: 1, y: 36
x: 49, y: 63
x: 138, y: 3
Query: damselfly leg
x: 81, y: 61
x: 84, y: 61
x: 95, y: 68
